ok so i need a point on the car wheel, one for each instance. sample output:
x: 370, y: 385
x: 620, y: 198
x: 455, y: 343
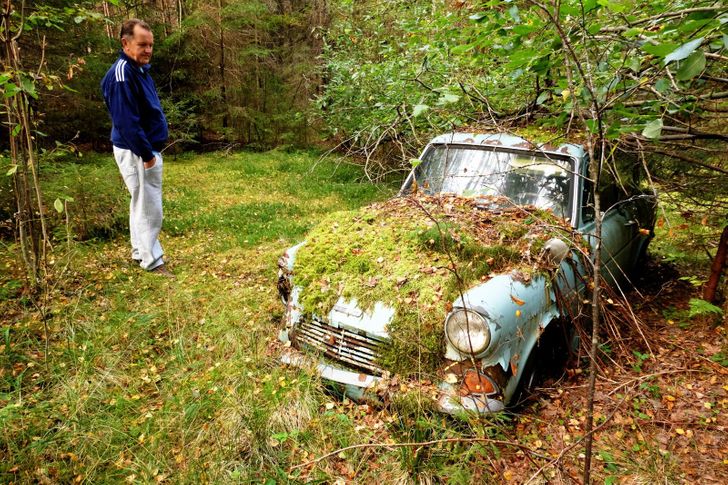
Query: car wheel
x: 547, y: 359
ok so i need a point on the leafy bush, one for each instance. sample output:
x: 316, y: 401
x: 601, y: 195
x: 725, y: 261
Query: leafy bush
x: 702, y: 308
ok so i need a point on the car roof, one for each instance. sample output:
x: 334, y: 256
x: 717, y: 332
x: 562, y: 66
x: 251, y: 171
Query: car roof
x: 506, y: 140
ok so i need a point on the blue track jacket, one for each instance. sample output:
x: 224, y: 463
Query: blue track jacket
x: 138, y: 123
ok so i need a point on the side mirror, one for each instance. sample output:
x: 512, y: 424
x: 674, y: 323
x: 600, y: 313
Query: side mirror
x: 555, y: 250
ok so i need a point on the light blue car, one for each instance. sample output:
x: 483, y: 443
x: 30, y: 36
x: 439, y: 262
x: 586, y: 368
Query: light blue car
x: 502, y: 332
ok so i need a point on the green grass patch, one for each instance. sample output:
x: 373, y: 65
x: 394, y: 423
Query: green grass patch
x: 120, y: 375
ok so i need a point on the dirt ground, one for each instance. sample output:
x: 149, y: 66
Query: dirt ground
x: 662, y: 418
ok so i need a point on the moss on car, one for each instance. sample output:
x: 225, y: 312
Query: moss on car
x: 416, y: 254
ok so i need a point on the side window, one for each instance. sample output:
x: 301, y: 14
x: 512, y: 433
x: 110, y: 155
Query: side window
x: 609, y: 195
x: 587, y: 202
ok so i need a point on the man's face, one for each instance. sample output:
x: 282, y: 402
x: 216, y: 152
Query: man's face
x: 139, y: 47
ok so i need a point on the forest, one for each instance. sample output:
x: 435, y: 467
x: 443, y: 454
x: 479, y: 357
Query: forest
x: 286, y: 113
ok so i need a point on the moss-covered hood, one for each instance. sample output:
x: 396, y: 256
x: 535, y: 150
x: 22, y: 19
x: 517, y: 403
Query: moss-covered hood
x: 415, y: 254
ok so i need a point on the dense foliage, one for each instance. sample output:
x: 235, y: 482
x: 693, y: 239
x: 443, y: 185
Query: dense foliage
x: 642, y: 83
x: 656, y: 70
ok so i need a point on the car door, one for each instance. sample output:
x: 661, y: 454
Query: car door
x: 617, y: 229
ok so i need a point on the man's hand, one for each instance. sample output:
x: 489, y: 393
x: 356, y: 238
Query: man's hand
x: 150, y: 163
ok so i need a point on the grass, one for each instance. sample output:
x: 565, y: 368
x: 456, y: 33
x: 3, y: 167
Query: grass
x: 120, y: 376
x: 148, y: 379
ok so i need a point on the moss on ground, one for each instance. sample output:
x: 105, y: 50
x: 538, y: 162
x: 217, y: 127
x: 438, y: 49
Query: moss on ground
x: 416, y: 254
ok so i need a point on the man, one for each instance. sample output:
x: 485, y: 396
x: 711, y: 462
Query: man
x: 138, y: 133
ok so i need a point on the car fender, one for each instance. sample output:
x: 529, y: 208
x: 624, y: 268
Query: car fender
x: 516, y: 311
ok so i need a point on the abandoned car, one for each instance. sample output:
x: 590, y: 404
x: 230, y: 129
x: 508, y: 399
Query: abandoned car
x: 456, y: 283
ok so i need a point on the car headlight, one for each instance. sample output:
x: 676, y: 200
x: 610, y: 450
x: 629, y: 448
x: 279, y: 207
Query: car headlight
x: 467, y: 331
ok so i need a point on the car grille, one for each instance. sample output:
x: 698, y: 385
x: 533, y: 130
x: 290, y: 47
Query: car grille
x: 340, y: 344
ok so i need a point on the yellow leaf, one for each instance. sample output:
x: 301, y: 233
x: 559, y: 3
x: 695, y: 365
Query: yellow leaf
x: 565, y: 94
x: 680, y: 431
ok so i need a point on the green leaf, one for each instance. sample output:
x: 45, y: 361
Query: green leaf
x: 617, y: 7
x: 415, y: 162
x: 589, y: 5
x: 521, y: 58
x: 461, y: 49
x: 449, y: 98
x: 28, y: 85
x: 542, y: 98
x: 692, y: 26
x: 634, y: 64
x: 662, y: 85
x: 692, y: 66
x: 513, y: 12
x: 13, y: 168
x: 700, y: 307
x: 683, y: 51
x: 523, y: 29
x: 16, y: 130
x: 419, y: 109
x: 58, y: 205
x: 653, y: 129
x: 11, y: 89
x: 79, y: 18
x: 594, y: 29
x: 660, y: 50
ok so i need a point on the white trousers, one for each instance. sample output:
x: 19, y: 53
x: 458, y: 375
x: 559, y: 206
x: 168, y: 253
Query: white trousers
x: 145, y: 208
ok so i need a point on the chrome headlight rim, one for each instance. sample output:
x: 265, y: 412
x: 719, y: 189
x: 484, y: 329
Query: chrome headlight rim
x: 468, y: 331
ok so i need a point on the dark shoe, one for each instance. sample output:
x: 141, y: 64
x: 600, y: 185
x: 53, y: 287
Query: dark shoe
x: 162, y: 270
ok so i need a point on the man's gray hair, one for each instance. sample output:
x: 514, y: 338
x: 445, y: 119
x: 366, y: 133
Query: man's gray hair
x: 127, y: 28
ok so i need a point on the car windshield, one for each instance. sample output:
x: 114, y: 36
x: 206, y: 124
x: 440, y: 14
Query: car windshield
x: 475, y: 171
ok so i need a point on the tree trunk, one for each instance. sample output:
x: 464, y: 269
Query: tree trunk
x: 716, y: 270
x: 30, y: 215
x: 223, y: 92
x: 107, y: 27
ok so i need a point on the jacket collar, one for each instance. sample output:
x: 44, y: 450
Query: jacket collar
x: 143, y: 69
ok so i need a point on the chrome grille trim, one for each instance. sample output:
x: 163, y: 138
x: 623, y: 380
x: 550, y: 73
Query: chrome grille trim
x: 340, y: 344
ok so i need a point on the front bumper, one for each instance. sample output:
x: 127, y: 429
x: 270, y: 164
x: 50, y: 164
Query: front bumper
x: 362, y: 387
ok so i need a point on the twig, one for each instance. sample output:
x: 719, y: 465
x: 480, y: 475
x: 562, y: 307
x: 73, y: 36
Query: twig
x: 578, y: 441
x: 650, y: 376
x: 419, y: 445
